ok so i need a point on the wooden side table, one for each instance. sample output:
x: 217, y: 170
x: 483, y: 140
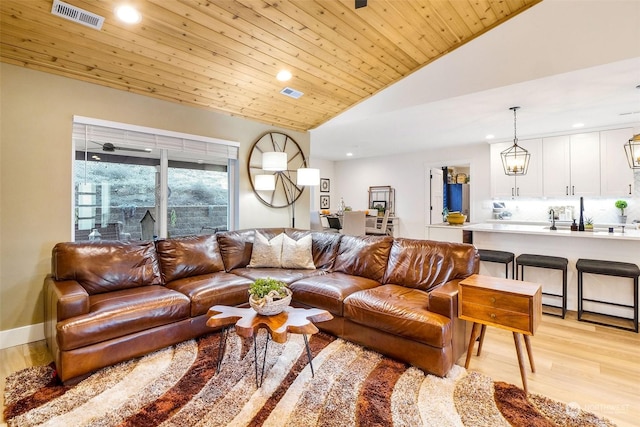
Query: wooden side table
x: 247, y: 323
x: 508, y: 304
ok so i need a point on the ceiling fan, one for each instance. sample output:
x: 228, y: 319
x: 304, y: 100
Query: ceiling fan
x: 361, y: 3
x: 109, y: 147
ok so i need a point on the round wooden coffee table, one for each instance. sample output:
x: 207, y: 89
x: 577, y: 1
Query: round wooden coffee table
x: 247, y: 324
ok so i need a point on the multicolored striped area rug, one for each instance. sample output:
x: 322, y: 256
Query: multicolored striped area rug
x: 178, y: 386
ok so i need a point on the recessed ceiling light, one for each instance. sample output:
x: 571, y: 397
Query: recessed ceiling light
x: 128, y: 14
x: 490, y: 136
x: 284, y: 76
x: 578, y: 125
x: 349, y: 154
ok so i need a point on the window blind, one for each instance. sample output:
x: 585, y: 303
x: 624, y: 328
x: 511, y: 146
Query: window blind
x: 87, y: 131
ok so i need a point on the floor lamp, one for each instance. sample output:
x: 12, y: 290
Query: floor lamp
x: 308, y: 177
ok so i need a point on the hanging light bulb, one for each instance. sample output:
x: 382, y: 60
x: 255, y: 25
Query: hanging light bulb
x: 515, y: 159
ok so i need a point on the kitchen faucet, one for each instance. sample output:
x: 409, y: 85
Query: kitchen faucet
x: 553, y: 220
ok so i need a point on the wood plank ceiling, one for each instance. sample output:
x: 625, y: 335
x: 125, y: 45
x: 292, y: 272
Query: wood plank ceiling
x: 223, y: 55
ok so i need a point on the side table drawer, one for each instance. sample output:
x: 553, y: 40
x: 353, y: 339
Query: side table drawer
x: 509, y: 304
x: 503, y: 301
x: 492, y: 315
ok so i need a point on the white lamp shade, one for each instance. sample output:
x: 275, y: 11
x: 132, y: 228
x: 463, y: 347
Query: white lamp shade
x: 308, y: 176
x: 274, y: 161
x: 265, y: 182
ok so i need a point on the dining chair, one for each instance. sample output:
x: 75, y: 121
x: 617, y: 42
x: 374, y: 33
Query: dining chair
x: 382, y: 230
x: 353, y: 223
x: 334, y: 223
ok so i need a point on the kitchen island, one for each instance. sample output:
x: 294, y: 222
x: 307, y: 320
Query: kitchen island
x: 539, y: 239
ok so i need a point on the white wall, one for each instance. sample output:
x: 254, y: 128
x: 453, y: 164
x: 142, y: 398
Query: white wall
x: 326, y: 171
x: 407, y: 174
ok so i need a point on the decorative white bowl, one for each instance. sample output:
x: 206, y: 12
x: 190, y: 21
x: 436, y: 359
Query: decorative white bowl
x: 270, y: 307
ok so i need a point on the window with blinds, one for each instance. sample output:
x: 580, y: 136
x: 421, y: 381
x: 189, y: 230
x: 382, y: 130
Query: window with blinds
x: 176, y: 184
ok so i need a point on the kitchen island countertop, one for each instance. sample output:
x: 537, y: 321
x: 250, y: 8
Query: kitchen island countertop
x: 630, y: 233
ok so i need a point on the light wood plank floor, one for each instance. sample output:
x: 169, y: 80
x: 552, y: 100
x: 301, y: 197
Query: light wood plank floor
x: 596, y: 367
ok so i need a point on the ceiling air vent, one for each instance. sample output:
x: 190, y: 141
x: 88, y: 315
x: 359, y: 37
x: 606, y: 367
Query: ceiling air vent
x: 75, y: 14
x: 295, y: 94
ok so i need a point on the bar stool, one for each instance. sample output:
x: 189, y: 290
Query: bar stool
x: 544, y: 261
x: 608, y: 268
x: 500, y: 257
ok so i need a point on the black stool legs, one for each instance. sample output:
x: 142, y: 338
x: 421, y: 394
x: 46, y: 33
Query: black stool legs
x: 608, y: 268
x: 544, y: 261
x: 500, y: 257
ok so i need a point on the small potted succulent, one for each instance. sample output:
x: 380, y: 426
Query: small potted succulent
x: 588, y: 224
x: 269, y: 296
x: 622, y: 204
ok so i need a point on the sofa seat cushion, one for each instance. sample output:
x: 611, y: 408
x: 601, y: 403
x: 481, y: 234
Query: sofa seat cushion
x: 328, y: 291
x: 400, y: 311
x: 285, y: 275
x: 119, y: 313
x: 207, y: 290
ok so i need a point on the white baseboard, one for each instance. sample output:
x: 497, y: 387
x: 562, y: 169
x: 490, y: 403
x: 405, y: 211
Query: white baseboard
x: 22, y: 335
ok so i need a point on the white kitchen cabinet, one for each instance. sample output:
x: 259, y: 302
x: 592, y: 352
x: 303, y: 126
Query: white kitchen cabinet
x: 616, y: 176
x: 571, y: 165
x: 506, y: 186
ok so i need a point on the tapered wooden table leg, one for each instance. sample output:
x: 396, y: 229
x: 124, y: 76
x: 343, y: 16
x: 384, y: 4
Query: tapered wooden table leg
x: 527, y: 343
x: 474, y: 335
x: 482, y: 331
x: 513, y: 305
x: 523, y: 372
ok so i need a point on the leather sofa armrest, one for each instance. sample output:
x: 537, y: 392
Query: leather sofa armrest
x: 64, y: 299
x: 444, y: 299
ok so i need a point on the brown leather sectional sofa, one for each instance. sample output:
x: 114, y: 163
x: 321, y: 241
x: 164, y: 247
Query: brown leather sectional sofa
x: 111, y: 301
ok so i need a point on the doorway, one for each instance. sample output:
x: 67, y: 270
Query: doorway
x: 449, y: 189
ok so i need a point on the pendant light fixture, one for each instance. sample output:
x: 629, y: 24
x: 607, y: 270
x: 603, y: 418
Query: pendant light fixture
x: 632, y: 148
x: 515, y: 159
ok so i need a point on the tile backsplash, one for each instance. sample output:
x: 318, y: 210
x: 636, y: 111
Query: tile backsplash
x: 602, y: 210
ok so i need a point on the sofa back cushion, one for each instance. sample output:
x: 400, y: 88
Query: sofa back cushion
x: 236, y: 246
x: 298, y: 254
x: 266, y: 252
x: 106, y: 266
x: 189, y: 256
x: 364, y: 256
x: 426, y: 264
x: 324, y: 246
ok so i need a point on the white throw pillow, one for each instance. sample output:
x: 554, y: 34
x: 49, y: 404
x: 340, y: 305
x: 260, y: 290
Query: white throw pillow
x: 266, y: 253
x: 297, y: 254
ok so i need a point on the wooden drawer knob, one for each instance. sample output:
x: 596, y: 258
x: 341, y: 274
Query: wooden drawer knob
x: 493, y: 315
x: 493, y: 299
